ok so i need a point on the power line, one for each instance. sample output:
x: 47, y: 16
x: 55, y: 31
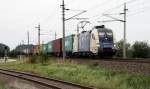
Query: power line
x: 98, y: 14
x: 99, y: 5
x: 75, y: 15
x: 118, y: 6
x: 70, y: 1
x: 131, y: 1
x: 139, y: 12
x: 112, y: 9
x: 141, y: 6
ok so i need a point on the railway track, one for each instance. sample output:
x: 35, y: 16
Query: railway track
x: 128, y: 60
x: 51, y: 83
x: 131, y: 66
x: 113, y: 60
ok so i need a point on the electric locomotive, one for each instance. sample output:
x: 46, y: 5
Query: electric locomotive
x: 106, y: 42
x: 96, y: 42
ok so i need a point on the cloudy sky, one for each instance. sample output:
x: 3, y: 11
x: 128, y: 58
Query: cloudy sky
x: 19, y: 16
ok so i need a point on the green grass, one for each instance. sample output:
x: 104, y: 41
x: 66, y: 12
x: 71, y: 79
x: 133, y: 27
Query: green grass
x: 2, y: 85
x: 84, y: 74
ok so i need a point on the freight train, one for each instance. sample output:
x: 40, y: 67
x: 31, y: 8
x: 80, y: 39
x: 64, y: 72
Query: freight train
x: 96, y: 42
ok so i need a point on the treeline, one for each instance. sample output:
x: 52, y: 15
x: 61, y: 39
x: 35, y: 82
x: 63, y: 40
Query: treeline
x: 140, y: 49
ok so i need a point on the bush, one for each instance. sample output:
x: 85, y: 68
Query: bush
x: 43, y: 58
x: 32, y: 59
x: 141, y: 49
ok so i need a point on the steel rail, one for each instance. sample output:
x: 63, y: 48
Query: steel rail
x: 23, y: 74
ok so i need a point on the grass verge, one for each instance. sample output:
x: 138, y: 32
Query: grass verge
x: 83, y: 74
x: 2, y: 85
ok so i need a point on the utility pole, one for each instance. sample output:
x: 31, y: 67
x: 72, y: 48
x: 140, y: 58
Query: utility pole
x: 124, y: 35
x: 39, y: 30
x: 124, y: 43
x: 63, y: 21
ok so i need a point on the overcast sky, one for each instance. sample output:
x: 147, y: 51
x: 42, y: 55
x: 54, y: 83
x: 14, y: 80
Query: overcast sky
x: 19, y: 16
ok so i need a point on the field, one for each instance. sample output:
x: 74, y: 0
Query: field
x: 89, y: 75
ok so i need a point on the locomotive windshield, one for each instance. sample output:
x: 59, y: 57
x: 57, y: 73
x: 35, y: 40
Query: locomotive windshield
x: 106, y: 36
x: 109, y: 34
x: 102, y: 34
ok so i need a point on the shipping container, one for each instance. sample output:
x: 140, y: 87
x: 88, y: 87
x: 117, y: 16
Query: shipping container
x: 57, y: 46
x: 69, y: 43
x: 84, y: 41
x: 69, y: 40
x: 50, y: 47
x: 44, y: 48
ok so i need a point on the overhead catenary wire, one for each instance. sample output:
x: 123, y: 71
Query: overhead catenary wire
x: 97, y: 14
x: 104, y: 12
x: 139, y: 12
x: 139, y: 8
x: 46, y: 20
x: 138, y: 5
x: 99, y: 5
x: 119, y: 6
x: 95, y: 7
x: 70, y: 2
x: 112, y: 9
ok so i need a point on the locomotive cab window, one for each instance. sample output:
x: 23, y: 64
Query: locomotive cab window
x: 110, y: 34
x: 102, y: 34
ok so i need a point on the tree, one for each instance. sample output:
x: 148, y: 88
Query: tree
x: 141, y: 49
x: 119, y: 46
x: 3, y: 48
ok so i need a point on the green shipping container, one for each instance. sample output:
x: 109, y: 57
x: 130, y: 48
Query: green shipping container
x: 44, y: 48
x: 50, y: 47
x: 69, y: 43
